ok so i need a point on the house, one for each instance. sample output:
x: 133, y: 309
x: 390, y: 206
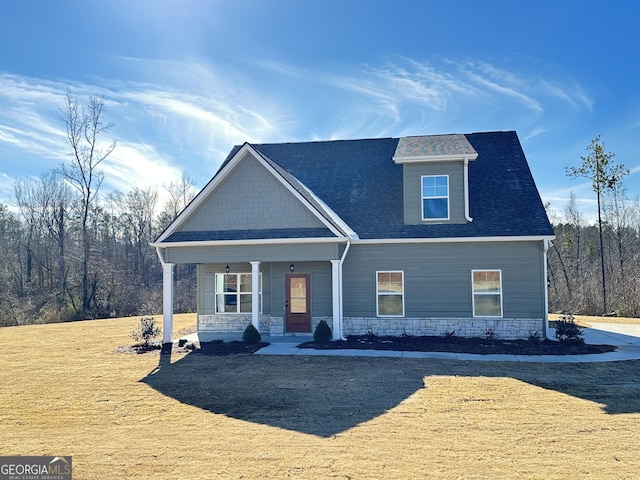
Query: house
x: 421, y: 235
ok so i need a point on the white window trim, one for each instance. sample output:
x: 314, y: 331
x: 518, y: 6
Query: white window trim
x: 401, y: 272
x: 474, y: 293
x: 423, y: 198
x: 215, y: 293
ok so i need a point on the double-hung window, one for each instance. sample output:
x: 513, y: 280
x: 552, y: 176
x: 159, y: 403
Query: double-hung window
x: 487, y: 293
x: 233, y: 293
x: 390, y: 294
x: 435, y: 197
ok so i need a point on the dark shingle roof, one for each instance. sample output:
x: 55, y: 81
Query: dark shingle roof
x: 360, y: 182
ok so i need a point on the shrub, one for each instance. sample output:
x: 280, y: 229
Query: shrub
x: 182, y: 342
x: 322, y: 333
x: 251, y: 334
x: 146, y: 331
x: 568, y: 332
x: 490, y: 334
x: 448, y: 335
x: 535, y: 338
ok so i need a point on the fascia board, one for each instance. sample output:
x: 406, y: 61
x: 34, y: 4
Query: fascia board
x: 261, y: 241
x: 434, y: 158
x: 532, y: 238
x: 399, y: 241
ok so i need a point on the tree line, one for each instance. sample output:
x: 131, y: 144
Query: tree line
x: 594, y: 269
x: 70, y: 252
x: 575, y: 264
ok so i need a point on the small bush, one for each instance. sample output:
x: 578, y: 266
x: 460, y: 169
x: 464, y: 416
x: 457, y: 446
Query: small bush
x: 568, y: 332
x: 322, y: 333
x: 534, y: 338
x: 146, y: 331
x: 251, y: 334
x: 182, y: 342
x: 449, y: 335
x: 490, y: 334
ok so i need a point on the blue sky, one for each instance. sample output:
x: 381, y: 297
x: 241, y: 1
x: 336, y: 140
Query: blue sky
x: 185, y: 80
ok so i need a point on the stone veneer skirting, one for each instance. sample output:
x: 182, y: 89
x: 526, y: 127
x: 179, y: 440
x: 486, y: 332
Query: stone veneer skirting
x: 505, y: 328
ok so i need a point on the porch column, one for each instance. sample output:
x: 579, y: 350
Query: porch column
x: 167, y: 302
x: 255, y: 294
x: 336, y: 287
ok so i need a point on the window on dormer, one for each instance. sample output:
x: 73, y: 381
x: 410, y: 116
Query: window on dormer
x: 435, y: 197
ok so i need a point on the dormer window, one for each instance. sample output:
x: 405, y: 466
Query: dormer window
x: 435, y: 197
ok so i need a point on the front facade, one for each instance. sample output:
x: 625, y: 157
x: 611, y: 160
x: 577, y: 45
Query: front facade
x: 419, y: 235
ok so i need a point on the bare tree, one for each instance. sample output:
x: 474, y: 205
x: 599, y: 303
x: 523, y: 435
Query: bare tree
x: 137, y: 208
x: 181, y: 192
x: 84, y: 129
x: 55, y: 203
x: 597, y: 166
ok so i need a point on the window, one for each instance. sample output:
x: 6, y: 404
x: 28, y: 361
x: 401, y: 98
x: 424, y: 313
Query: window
x: 435, y: 197
x: 390, y: 294
x: 233, y: 292
x: 487, y: 293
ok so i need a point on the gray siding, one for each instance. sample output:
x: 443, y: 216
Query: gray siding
x: 413, y: 190
x: 437, y: 277
x: 250, y: 198
x: 321, y: 302
x: 273, y: 286
x: 247, y: 253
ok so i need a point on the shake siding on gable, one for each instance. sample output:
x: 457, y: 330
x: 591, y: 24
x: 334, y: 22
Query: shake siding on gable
x: 437, y: 277
x: 412, y: 187
x: 250, y: 198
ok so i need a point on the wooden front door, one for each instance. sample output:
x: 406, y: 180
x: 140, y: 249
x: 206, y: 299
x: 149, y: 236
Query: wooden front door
x: 298, y: 302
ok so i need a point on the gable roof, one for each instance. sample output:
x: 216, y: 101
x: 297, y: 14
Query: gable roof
x: 357, y: 187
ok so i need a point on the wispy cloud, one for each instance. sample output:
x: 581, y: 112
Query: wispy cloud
x: 172, y: 116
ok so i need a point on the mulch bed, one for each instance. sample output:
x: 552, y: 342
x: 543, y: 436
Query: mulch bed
x: 218, y: 347
x: 375, y: 342
x: 214, y: 348
x: 459, y: 345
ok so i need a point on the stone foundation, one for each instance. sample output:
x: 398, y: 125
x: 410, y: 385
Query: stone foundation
x: 504, y: 328
x: 230, y: 323
x: 237, y: 323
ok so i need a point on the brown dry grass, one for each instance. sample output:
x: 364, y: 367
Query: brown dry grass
x: 587, y: 321
x: 64, y: 391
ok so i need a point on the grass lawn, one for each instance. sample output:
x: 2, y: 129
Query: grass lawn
x: 64, y: 390
x: 587, y: 321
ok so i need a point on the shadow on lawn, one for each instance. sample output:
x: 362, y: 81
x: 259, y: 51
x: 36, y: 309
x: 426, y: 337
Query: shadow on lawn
x: 324, y: 396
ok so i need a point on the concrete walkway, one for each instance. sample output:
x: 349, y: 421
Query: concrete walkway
x: 625, y: 337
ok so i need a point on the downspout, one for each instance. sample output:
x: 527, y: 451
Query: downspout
x: 466, y: 189
x: 344, y: 255
x: 546, y: 290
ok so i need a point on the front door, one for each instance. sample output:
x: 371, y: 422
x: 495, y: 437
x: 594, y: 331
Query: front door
x: 298, y: 302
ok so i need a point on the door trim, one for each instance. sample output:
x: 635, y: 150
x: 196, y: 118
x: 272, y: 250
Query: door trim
x: 297, y: 322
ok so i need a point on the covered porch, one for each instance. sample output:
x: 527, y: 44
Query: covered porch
x: 282, y: 290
